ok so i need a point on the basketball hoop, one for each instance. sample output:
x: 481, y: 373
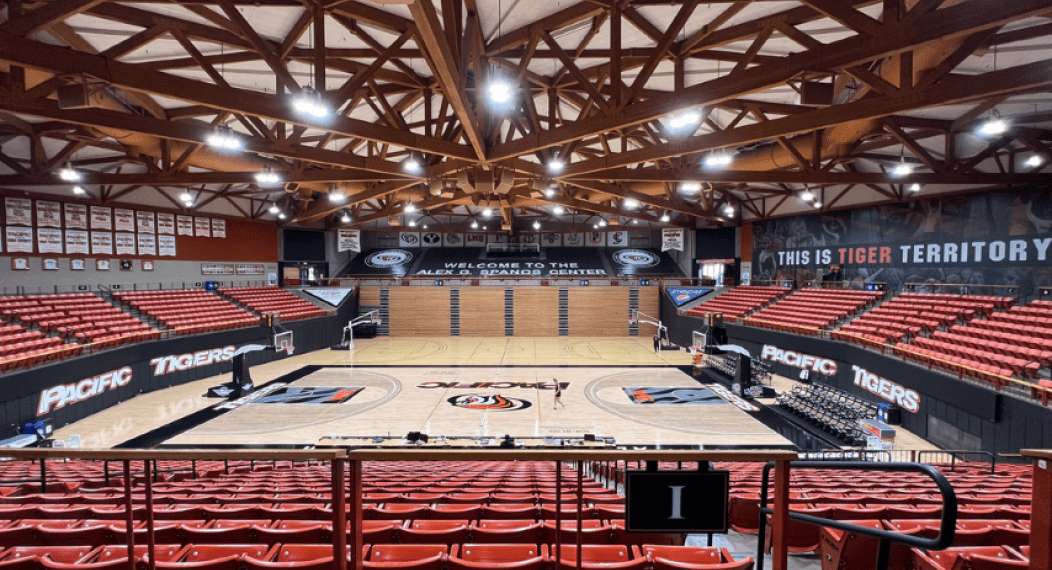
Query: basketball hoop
x: 633, y: 321
x: 693, y: 350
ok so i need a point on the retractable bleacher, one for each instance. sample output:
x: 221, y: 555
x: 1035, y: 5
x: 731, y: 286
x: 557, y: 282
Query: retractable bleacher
x: 273, y: 300
x: 739, y: 301
x: 810, y: 311
x: 187, y: 312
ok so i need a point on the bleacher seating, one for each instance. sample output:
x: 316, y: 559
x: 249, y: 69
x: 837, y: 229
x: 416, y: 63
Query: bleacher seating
x: 910, y: 314
x: 809, y: 311
x: 834, y: 411
x: 273, y: 300
x: 739, y: 301
x: 188, y: 312
x: 54, y: 326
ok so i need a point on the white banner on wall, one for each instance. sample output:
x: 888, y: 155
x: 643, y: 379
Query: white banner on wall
x: 101, y: 218
x: 166, y: 224
x: 595, y: 239
x: 617, y: 239
x: 409, y: 239
x: 125, y: 243
x: 49, y: 214
x: 166, y: 245
x: 497, y: 238
x: 202, y: 227
x: 19, y: 240
x: 672, y: 239
x: 19, y: 212
x: 551, y: 240
x: 573, y: 240
x: 123, y: 220
x: 77, y: 242
x: 49, y: 240
x: 147, y: 244
x: 431, y: 239
x: 218, y: 228
x: 475, y: 239
x: 144, y: 223
x: 185, y: 225
x: 101, y: 243
x: 348, y: 240
x: 76, y: 216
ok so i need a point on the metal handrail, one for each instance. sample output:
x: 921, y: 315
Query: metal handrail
x: 947, y: 522
x: 953, y: 456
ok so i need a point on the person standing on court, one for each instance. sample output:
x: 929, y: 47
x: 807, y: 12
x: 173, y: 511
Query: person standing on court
x: 657, y: 344
x: 558, y: 395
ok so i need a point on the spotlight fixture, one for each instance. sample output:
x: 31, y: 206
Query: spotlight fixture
x: 903, y: 168
x: 309, y: 102
x: 728, y: 210
x: 915, y: 187
x: 412, y: 166
x: 409, y: 208
x: 500, y: 92
x: 488, y: 212
x: 424, y: 226
x: 548, y: 193
x: 690, y: 187
x: 595, y: 226
x: 474, y: 224
x: 682, y: 122
x: 267, y: 176
x: 68, y: 174
x: 602, y: 223
x: 555, y: 166
x: 630, y: 203
x: 818, y: 204
x: 558, y: 210
x: 281, y: 216
x: 665, y: 217
x: 412, y: 223
x: 635, y: 221
x: 224, y: 138
x: 1035, y: 161
x: 345, y: 218
x: 995, y: 126
x: 186, y: 197
x: 336, y: 196
x: 79, y: 190
x: 807, y: 195
x: 536, y: 225
x: 719, y: 159
x: 274, y: 209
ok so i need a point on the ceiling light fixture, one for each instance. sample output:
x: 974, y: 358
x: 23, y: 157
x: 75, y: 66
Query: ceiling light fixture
x: 474, y: 224
x: 224, y: 138
x: 500, y: 91
x: 818, y: 204
x: 412, y: 223
x: 1035, y: 161
x: 79, y: 190
x: 548, y: 193
x: 631, y: 204
x: 186, y: 197
x: 310, y: 102
x: 728, y: 210
x: 555, y: 166
x: 993, y: 127
x: 719, y: 159
x: 915, y: 187
x: 274, y: 209
x: 412, y: 166
x: 665, y: 217
x: 488, y: 212
x: 281, y: 216
x: 690, y: 187
x: 682, y: 122
x: 68, y: 174
x: 602, y: 223
x: 536, y: 225
x: 346, y: 218
x: 409, y: 208
x: 807, y: 195
x: 903, y: 168
x: 267, y: 176
x: 558, y: 210
x: 336, y: 197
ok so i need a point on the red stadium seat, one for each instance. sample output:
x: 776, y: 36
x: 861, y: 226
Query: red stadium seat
x: 498, y: 557
x: 449, y: 531
x: 693, y: 558
x: 506, y: 531
x: 407, y: 556
x: 598, y: 557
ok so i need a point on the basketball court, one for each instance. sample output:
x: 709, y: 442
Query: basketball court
x: 464, y: 389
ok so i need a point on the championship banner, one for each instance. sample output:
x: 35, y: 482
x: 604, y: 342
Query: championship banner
x: 77, y: 242
x: 1000, y: 238
x: 101, y: 243
x: 672, y: 239
x: 49, y: 214
x: 683, y: 295
x: 125, y: 243
x: 166, y: 224
x: 49, y: 240
x: 166, y: 245
x: 147, y: 244
x: 19, y: 240
x: 76, y: 216
x: 348, y: 240
x: 124, y: 220
x: 202, y: 227
x: 144, y: 223
x: 185, y: 225
x: 218, y: 228
x: 101, y: 218
x: 19, y: 212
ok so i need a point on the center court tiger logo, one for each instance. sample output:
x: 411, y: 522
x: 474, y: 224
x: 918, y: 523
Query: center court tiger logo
x: 636, y: 258
x: 388, y: 258
x: 488, y: 402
